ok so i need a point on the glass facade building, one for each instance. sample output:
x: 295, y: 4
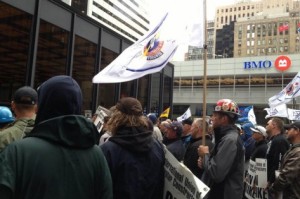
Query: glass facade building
x: 44, y: 38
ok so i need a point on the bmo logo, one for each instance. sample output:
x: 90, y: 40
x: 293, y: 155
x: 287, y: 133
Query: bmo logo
x: 282, y: 63
x: 257, y: 64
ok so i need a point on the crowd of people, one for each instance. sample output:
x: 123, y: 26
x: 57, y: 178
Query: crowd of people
x: 49, y: 150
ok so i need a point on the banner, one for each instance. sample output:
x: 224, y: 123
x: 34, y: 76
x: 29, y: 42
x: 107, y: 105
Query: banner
x: 148, y: 55
x: 247, y: 114
x: 180, y: 183
x: 291, y: 91
x: 256, y: 179
x: 278, y: 111
x: 185, y: 116
x: 293, y: 114
x: 165, y: 113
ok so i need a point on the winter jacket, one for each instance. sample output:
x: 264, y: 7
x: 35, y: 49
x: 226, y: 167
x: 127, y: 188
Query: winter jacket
x: 248, y: 141
x: 136, y: 162
x: 224, y: 167
x: 15, y: 131
x: 277, y: 147
x: 176, y: 147
x: 288, y: 180
x: 191, y: 154
x: 58, y: 159
x: 260, y: 150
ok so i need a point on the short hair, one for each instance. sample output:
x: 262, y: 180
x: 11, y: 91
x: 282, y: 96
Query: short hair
x: 199, y: 123
x: 279, y: 123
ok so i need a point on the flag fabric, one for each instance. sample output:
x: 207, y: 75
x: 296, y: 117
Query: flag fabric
x: 283, y: 27
x: 165, y: 113
x: 185, y: 115
x: 291, y: 91
x: 247, y: 114
x: 278, y: 111
x: 148, y: 55
x: 293, y: 114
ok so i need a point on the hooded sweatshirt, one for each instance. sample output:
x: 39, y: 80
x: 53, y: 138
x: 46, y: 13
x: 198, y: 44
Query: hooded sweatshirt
x: 59, y: 158
x: 136, y: 162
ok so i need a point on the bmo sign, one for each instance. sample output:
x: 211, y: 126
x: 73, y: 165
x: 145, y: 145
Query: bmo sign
x: 257, y: 64
x: 281, y: 63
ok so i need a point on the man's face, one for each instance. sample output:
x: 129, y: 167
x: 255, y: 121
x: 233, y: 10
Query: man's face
x: 269, y: 127
x: 292, y: 134
x: 217, y: 120
x: 194, y: 130
x: 186, y: 129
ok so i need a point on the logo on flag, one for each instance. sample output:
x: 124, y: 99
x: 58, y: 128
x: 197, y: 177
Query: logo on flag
x: 288, y: 93
x: 148, y: 55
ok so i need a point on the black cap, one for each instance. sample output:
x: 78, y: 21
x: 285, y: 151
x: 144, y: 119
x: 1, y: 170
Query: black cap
x: 293, y: 125
x: 188, y: 121
x: 25, y: 95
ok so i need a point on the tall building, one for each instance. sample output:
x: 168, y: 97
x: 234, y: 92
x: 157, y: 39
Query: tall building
x: 127, y: 18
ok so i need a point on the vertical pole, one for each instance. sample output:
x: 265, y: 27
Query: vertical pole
x: 204, y: 73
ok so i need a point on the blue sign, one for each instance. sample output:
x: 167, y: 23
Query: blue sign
x: 257, y: 64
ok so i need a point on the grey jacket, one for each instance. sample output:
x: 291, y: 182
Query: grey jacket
x: 224, y: 167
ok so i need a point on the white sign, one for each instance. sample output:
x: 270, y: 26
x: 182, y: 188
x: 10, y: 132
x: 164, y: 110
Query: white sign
x: 180, y: 183
x: 101, y: 112
x: 256, y: 180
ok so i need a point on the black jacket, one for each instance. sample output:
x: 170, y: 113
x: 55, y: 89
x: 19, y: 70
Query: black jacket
x: 260, y: 150
x: 136, y: 162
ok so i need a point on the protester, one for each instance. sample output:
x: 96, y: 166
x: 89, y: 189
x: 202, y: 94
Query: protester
x: 59, y: 158
x: 277, y: 147
x: 260, y: 136
x: 135, y: 158
x: 6, y: 117
x: 24, y: 106
x: 172, y: 140
x: 288, y: 180
x: 248, y: 142
x: 163, y: 126
x: 186, y: 132
x: 224, y: 166
x: 156, y: 131
x: 191, y: 154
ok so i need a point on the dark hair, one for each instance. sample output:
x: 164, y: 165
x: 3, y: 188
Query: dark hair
x: 279, y: 123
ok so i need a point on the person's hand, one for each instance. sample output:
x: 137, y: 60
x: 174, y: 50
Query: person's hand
x: 202, y: 150
x: 200, y: 163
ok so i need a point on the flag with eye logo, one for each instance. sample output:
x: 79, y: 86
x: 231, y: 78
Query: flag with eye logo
x: 148, y: 55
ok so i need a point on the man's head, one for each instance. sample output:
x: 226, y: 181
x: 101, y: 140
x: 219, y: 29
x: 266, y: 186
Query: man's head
x: 152, y: 117
x: 24, y: 102
x: 128, y: 112
x: 197, y: 127
x: 226, y: 113
x: 258, y: 133
x: 293, y: 132
x: 187, y: 124
x: 173, y: 130
x: 58, y: 96
x: 274, y: 126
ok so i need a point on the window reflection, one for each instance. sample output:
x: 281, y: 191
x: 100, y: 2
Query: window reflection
x: 52, y: 52
x: 107, y: 91
x: 15, y: 34
x: 143, y: 88
x: 154, y: 103
x: 83, y: 68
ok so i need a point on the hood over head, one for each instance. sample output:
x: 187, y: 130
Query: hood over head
x: 58, y: 96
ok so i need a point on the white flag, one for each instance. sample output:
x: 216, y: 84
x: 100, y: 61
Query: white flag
x: 278, y: 111
x: 293, y: 114
x: 185, y: 116
x: 291, y: 91
x: 148, y: 55
x: 251, y: 116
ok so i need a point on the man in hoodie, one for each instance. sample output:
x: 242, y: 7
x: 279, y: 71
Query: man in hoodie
x: 135, y: 158
x: 59, y: 158
x: 24, y: 106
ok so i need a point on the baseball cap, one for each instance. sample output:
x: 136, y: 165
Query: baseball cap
x: 293, y: 125
x: 175, y: 126
x: 188, y: 121
x: 152, y: 117
x: 25, y: 95
x: 259, y: 129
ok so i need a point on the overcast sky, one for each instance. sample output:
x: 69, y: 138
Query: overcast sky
x: 182, y: 13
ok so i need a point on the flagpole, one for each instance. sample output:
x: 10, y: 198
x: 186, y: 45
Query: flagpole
x: 204, y: 74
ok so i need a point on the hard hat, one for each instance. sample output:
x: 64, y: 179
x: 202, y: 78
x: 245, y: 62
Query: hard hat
x: 152, y: 117
x: 228, y: 107
x: 6, y: 115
